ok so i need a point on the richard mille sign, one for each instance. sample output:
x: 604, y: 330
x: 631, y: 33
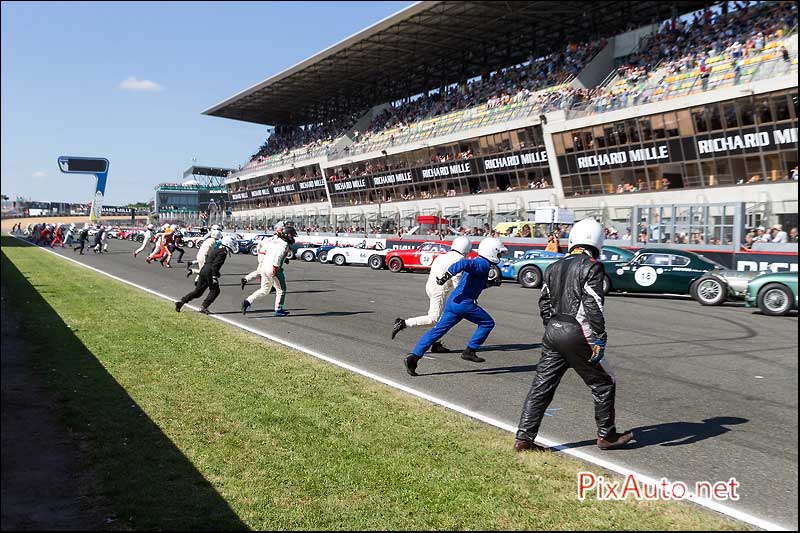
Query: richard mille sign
x: 748, y: 140
x: 654, y: 153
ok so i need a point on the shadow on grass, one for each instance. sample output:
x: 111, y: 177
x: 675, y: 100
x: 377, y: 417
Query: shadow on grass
x: 149, y: 482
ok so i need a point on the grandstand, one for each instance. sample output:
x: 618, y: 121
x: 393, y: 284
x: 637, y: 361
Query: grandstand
x: 479, y: 112
x: 201, y: 198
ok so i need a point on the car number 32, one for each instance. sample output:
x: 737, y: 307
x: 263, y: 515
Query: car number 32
x: 426, y: 259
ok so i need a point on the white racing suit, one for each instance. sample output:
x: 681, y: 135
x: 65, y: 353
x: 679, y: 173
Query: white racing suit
x: 146, y: 241
x: 437, y: 293
x: 202, y: 255
x: 263, y: 246
x: 272, y: 260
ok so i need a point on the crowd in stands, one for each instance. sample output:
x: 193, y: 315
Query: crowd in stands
x: 304, y: 139
x: 510, y: 85
x: 774, y: 234
x: 682, y: 46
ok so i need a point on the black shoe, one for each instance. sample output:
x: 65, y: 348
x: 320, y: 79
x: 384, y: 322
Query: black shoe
x: 411, y: 364
x: 399, y: 324
x: 244, y: 282
x: 204, y: 311
x: 245, y: 306
x: 178, y: 306
x: 438, y: 347
x: 188, y: 272
x: 469, y: 355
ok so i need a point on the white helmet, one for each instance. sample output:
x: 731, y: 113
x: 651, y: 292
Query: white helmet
x: 72, y: 226
x: 150, y: 227
x: 215, y: 227
x: 215, y: 234
x: 587, y: 233
x: 173, y: 226
x: 461, y: 245
x: 229, y: 242
x: 490, y: 249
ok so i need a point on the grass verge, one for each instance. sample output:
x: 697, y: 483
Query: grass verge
x: 194, y: 424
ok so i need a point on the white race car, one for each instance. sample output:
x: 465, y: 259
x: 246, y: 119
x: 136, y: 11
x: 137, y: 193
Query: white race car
x: 374, y: 257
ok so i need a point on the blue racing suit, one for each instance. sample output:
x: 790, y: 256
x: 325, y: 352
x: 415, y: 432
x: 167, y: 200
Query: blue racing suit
x: 462, y: 304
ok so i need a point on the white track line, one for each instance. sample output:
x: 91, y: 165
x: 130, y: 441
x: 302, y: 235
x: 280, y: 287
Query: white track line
x: 603, y: 463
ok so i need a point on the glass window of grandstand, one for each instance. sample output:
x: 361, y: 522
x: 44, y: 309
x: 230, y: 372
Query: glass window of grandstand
x: 761, y: 129
x: 687, y: 224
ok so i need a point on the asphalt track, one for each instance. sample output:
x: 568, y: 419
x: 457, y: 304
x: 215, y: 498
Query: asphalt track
x: 711, y: 393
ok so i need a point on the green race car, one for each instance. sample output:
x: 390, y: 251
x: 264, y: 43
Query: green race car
x: 529, y: 269
x: 658, y: 270
x: 775, y: 293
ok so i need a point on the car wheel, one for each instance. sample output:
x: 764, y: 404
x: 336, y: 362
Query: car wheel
x: 376, y: 262
x: 308, y: 256
x: 775, y: 299
x: 494, y: 274
x: 709, y: 290
x: 606, y: 284
x: 323, y: 257
x: 395, y: 264
x: 254, y: 250
x: 190, y: 244
x: 530, y: 277
x: 290, y: 254
x: 339, y: 260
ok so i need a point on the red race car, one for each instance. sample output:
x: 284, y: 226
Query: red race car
x: 421, y: 258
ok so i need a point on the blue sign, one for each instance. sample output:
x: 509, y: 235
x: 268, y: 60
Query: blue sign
x: 88, y: 165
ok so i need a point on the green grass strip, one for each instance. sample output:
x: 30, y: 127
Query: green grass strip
x: 194, y: 424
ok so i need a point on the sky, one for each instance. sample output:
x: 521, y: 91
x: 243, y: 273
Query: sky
x: 129, y: 80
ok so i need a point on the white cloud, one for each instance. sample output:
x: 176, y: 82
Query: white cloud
x: 39, y: 174
x: 132, y: 84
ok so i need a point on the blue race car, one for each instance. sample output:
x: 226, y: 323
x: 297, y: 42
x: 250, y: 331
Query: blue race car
x: 528, y: 268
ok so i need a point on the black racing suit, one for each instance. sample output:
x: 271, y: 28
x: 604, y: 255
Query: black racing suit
x: 209, y: 277
x: 83, y: 236
x: 176, y: 246
x: 571, y: 306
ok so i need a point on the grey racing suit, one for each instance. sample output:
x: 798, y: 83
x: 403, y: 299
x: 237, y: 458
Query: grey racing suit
x: 571, y: 306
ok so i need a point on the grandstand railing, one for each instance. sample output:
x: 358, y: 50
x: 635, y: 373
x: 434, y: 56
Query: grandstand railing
x: 767, y: 64
x: 465, y: 119
x: 295, y: 156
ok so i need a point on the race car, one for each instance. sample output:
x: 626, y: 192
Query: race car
x: 322, y: 252
x: 295, y: 250
x: 659, y: 270
x: 775, y: 293
x: 194, y: 242
x: 421, y: 258
x: 357, y: 255
x: 529, y: 269
x: 250, y: 246
x: 719, y: 285
x: 127, y: 234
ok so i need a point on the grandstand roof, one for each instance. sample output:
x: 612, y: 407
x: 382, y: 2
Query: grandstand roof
x: 195, y: 170
x: 432, y: 44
